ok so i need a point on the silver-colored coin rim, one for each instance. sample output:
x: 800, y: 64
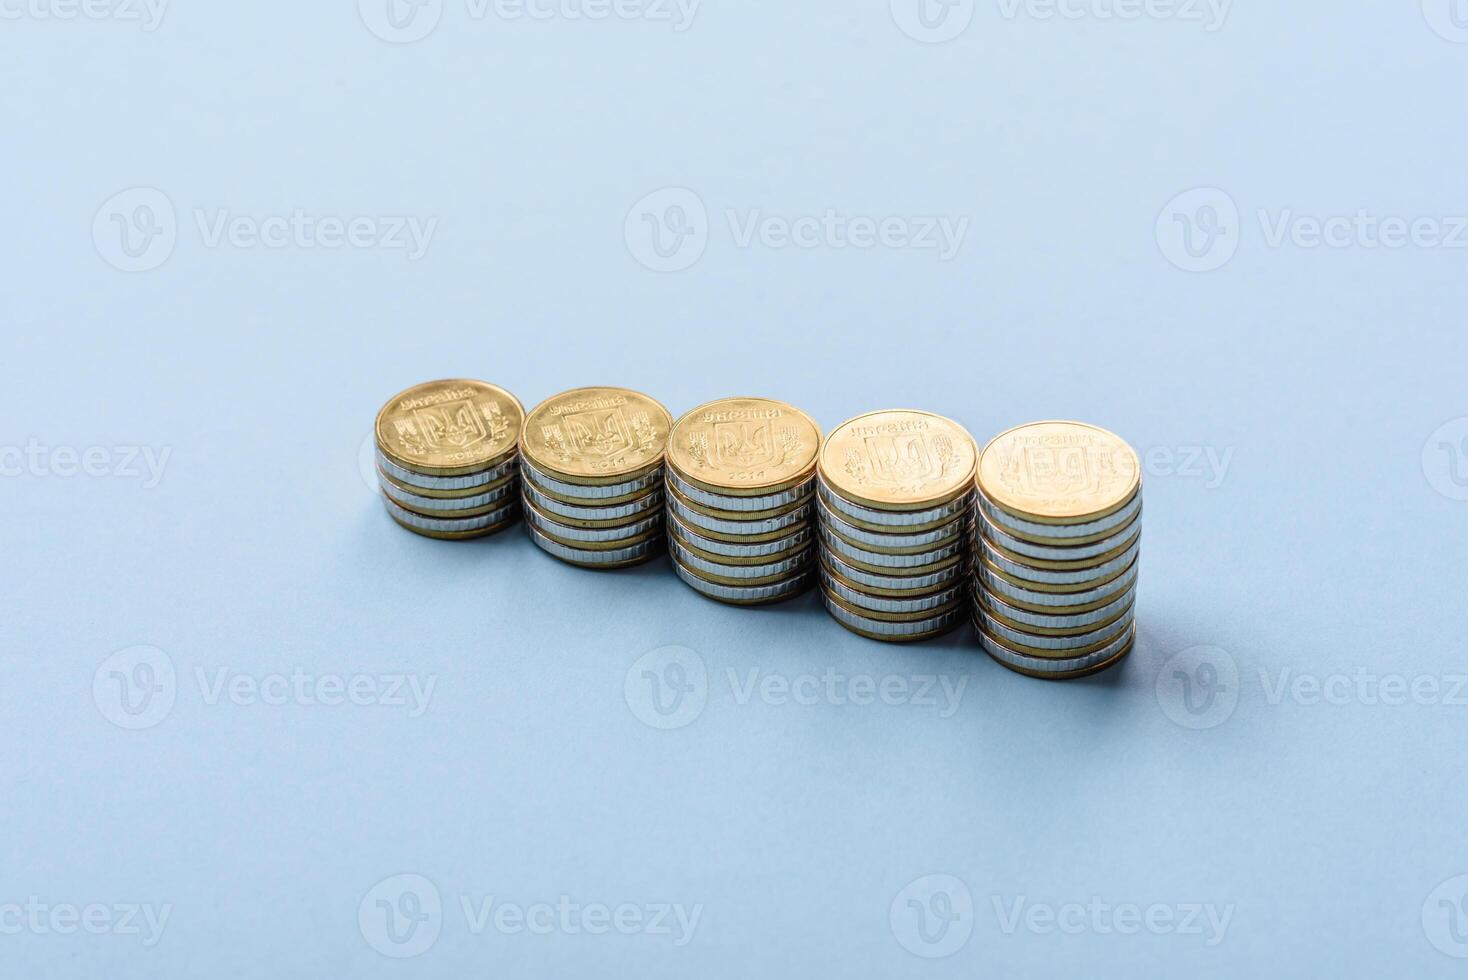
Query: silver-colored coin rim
x: 580, y: 556
x: 1050, y: 577
x: 580, y: 492
x: 1059, y: 532
x: 896, y: 583
x: 695, y: 563
x: 897, y: 518
x: 444, y: 505
x: 877, y: 539
x: 1045, y: 665
x: 593, y: 535
x: 802, y: 538
x: 602, y: 512
x: 1024, y: 639
x: 1049, y: 622
x: 465, y: 482
x: 853, y: 553
x: 1074, y: 552
x: 1007, y: 590
x: 742, y: 593
x: 773, y: 501
x: 883, y: 628
x: 888, y: 605
x: 451, y: 525
x: 764, y: 525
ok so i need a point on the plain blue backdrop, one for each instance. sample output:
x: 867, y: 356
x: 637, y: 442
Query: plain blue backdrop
x: 208, y: 264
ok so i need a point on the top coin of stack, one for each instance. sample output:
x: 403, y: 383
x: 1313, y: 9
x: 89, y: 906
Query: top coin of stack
x: 447, y: 458
x: 1058, y: 538
x: 592, y: 466
x: 896, y: 508
x: 740, y: 483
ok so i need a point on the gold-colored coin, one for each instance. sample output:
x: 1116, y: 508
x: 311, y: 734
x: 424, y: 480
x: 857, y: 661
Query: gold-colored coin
x: 745, y: 447
x: 740, y: 516
x: 677, y: 529
x: 899, y: 460
x: 1059, y: 472
x: 483, y: 532
x: 474, y: 491
x: 596, y: 436
x: 450, y: 428
x: 891, y: 617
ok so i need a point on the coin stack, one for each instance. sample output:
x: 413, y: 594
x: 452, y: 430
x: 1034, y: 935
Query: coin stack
x: 1058, y: 537
x: 740, y: 486
x: 447, y: 462
x: 592, y: 462
x: 895, y: 496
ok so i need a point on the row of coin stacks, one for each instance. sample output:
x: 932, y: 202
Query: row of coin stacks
x: 592, y: 465
x: 447, y: 458
x: 896, y: 511
x: 1058, y: 543
x: 740, y: 487
x: 905, y: 525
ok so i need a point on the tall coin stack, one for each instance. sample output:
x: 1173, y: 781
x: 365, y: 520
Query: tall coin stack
x: 592, y: 466
x: 740, y: 487
x: 1058, y: 538
x: 896, y: 505
x: 447, y: 458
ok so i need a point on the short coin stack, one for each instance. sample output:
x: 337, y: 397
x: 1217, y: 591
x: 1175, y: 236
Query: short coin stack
x: 1058, y: 537
x: 740, y: 488
x: 592, y: 466
x: 447, y: 459
x: 896, y: 511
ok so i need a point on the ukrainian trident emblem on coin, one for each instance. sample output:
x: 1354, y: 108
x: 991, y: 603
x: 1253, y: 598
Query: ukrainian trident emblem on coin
x: 904, y: 461
x: 1059, y: 469
x: 1060, y: 466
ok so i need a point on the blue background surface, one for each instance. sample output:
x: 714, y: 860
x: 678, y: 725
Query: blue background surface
x: 1329, y: 830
